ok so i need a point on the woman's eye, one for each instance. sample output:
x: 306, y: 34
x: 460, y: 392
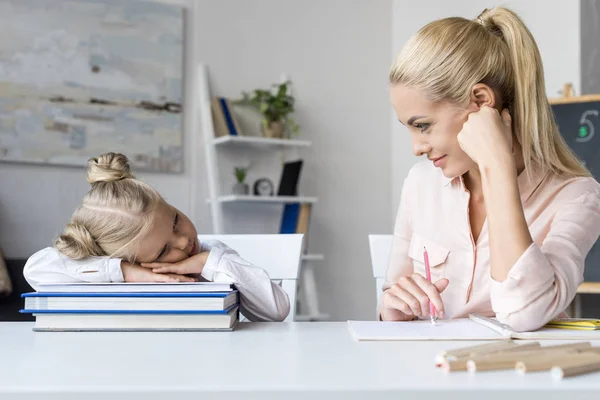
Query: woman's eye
x: 422, y: 127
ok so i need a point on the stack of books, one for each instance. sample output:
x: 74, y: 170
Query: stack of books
x: 197, y: 306
x: 224, y: 119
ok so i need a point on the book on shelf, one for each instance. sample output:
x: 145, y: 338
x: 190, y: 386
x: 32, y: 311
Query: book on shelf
x: 290, y: 175
x: 224, y: 119
x: 296, y: 219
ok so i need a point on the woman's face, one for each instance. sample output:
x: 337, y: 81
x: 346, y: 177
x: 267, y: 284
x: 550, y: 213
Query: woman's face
x: 171, y: 238
x: 433, y: 129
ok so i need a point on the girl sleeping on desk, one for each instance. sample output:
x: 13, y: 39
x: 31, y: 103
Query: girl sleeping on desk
x: 126, y: 231
x: 506, y: 211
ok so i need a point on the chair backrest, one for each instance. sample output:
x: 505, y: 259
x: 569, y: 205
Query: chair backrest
x: 278, y: 254
x: 380, y: 246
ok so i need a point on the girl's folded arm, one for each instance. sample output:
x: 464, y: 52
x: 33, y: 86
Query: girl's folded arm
x: 260, y: 298
x: 51, y: 266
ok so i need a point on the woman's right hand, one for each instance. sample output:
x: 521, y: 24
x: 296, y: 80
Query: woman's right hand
x: 410, y: 296
x: 137, y: 273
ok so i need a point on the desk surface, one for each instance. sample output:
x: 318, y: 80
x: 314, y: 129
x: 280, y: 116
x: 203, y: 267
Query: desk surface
x: 258, y: 360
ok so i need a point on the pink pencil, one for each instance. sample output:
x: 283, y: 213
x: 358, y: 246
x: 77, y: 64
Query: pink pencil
x: 432, y: 311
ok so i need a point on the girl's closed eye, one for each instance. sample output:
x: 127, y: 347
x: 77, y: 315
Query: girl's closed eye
x: 162, y: 252
x: 167, y: 247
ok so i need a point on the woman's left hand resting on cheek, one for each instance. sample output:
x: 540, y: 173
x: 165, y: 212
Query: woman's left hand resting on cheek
x: 192, y: 265
x: 486, y: 136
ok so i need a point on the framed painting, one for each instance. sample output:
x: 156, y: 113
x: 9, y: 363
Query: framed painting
x: 82, y: 77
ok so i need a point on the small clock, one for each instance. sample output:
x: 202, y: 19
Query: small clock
x: 263, y: 187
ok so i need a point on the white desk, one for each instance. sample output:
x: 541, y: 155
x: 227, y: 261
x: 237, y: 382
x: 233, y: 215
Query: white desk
x: 258, y: 361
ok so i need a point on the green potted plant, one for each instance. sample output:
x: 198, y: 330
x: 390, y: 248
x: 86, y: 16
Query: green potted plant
x: 275, y: 106
x: 241, y: 187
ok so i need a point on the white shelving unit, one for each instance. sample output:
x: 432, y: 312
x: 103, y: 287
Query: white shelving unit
x: 234, y: 198
x: 217, y: 199
x: 258, y: 141
x: 313, y: 257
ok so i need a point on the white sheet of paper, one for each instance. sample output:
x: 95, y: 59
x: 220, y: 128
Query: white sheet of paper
x: 457, y: 329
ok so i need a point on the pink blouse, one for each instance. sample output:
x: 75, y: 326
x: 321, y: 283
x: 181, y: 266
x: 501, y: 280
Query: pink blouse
x: 563, y: 215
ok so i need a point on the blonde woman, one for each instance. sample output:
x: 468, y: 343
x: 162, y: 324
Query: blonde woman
x: 505, y: 210
x: 125, y: 231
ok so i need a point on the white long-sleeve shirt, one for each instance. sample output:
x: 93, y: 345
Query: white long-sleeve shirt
x: 260, y: 298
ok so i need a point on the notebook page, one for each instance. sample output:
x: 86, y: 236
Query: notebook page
x: 456, y: 329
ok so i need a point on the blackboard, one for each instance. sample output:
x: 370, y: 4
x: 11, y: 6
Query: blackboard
x: 578, y: 120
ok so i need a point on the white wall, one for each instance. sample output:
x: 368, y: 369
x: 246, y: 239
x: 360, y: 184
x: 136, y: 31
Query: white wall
x: 337, y: 54
x: 555, y: 24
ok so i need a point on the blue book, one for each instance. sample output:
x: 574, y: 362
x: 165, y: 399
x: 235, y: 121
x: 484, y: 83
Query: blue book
x: 229, y: 118
x: 131, y: 302
x: 136, y: 312
x: 289, y: 219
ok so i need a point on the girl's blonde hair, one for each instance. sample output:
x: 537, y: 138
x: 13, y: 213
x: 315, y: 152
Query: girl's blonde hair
x: 115, y: 214
x: 446, y: 58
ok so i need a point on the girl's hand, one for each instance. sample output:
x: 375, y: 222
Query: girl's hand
x: 486, y: 136
x: 191, y: 265
x: 136, y: 273
x: 410, y: 297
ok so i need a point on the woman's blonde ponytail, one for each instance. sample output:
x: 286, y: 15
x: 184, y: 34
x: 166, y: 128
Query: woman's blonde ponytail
x: 533, y: 120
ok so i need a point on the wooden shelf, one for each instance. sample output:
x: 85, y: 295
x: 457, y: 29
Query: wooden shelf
x: 589, y: 288
x: 313, y: 257
x: 265, y: 199
x: 259, y: 141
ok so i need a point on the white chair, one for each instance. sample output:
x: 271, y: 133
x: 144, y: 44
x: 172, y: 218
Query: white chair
x: 380, y: 246
x: 279, y: 255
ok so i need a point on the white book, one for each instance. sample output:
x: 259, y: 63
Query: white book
x: 110, y: 322
x: 475, y: 327
x: 149, y: 287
